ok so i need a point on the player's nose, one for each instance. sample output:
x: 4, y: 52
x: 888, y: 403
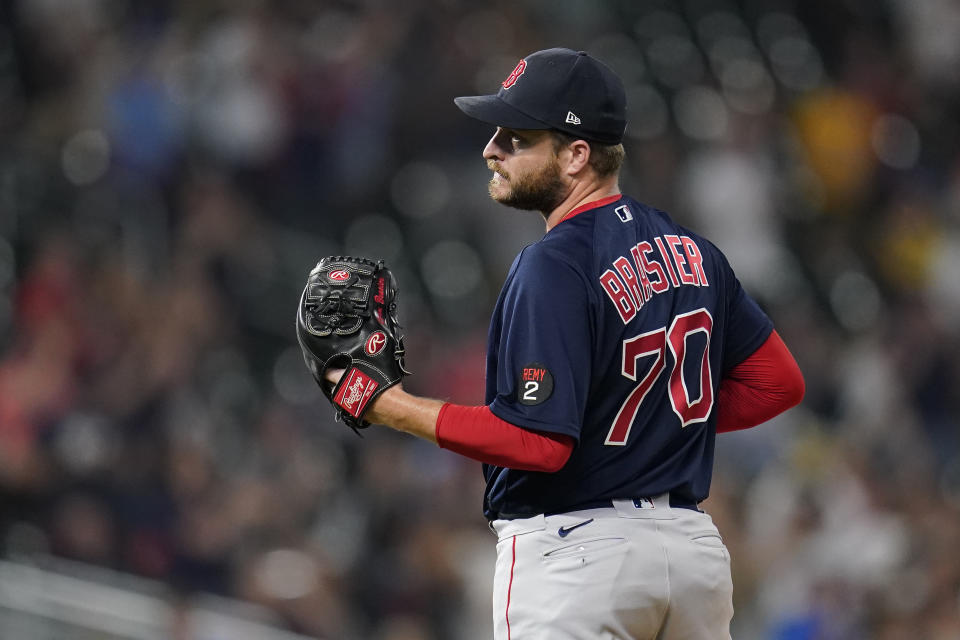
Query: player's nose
x: 493, y: 150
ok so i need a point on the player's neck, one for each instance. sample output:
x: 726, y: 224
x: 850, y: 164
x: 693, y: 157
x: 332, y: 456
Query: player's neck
x: 581, y: 194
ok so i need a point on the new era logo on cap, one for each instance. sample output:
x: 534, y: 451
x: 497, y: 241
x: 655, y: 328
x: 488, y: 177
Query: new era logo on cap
x: 558, y: 89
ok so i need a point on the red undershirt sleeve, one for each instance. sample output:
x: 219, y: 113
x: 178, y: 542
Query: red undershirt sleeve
x: 478, y: 434
x: 764, y: 385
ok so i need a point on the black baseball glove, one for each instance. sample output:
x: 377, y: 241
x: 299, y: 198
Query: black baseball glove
x: 347, y: 320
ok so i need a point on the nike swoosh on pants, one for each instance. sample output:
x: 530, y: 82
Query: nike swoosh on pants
x: 563, y: 532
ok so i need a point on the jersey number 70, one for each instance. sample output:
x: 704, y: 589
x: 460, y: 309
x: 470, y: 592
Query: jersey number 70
x: 653, y: 346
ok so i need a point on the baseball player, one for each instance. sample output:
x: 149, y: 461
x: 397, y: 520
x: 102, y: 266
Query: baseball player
x: 620, y: 345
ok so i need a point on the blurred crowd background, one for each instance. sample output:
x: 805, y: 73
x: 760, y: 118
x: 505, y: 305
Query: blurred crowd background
x: 171, y: 170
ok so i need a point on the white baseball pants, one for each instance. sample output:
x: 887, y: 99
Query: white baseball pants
x: 639, y: 570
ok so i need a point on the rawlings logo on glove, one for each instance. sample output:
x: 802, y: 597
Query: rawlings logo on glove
x: 347, y: 320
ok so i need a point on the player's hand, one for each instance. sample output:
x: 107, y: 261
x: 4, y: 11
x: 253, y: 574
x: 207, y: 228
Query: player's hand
x: 333, y: 375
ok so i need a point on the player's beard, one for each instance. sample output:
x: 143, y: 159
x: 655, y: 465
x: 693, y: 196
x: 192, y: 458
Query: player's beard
x: 539, y: 190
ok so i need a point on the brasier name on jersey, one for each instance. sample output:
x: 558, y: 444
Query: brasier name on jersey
x: 630, y: 284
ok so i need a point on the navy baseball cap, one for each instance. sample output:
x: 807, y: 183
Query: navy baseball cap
x: 561, y: 89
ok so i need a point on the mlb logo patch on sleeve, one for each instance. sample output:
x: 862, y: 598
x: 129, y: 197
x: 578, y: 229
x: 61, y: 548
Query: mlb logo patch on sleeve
x: 535, y: 384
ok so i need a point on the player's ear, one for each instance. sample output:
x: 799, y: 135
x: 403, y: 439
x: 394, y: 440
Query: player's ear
x: 579, y: 156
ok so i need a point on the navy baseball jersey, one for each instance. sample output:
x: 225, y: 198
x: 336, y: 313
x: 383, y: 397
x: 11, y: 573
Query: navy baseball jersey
x: 616, y: 329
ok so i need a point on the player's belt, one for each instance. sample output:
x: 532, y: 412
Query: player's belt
x: 676, y: 502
